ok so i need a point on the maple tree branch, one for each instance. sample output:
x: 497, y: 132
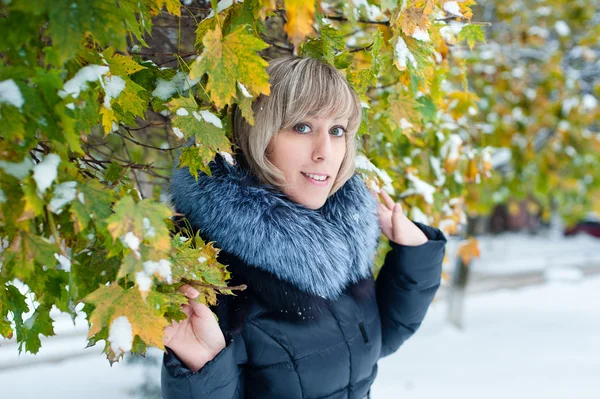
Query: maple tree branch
x: 241, y: 287
x: 142, y: 144
x: 362, y: 21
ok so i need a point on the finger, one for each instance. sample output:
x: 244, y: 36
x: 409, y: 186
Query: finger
x: 199, y: 309
x: 389, y: 202
x: 189, y: 291
x: 396, y: 220
x: 187, y: 309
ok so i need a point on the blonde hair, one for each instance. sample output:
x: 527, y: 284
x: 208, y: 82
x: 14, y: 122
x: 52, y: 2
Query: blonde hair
x: 300, y: 87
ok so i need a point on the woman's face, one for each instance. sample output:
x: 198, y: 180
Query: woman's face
x: 309, y: 155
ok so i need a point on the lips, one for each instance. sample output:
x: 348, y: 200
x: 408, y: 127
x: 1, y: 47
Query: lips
x: 317, y: 182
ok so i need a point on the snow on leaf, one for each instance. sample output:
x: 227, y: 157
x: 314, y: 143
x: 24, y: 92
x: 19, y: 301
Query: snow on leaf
x: 452, y: 8
x: 421, y: 34
x: 45, y: 172
x: 562, y: 28
x: 11, y: 94
x: 402, y: 55
x: 211, y: 118
x: 145, y: 317
x: 89, y: 73
x: 63, y: 194
x: 113, y: 86
x: 17, y: 170
x: 179, y: 83
x: 65, y: 262
x: 162, y: 268
x: 120, y: 335
x: 229, y: 60
x: 421, y: 188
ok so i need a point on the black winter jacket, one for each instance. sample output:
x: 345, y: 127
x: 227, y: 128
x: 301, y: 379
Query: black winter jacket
x: 313, y: 322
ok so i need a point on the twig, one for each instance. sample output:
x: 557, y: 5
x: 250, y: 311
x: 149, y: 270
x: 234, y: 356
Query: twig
x: 241, y: 287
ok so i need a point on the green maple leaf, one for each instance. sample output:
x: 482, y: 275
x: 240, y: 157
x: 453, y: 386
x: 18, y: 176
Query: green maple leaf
x: 90, y: 270
x: 146, y: 317
x: 231, y: 59
x: 28, y: 331
x: 69, y: 20
x: 26, y: 248
x: 325, y: 46
x: 472, y: 34
x: 96, y: 205
x: 146, y: 221
x: 39, y: 323
x: 209, y: 137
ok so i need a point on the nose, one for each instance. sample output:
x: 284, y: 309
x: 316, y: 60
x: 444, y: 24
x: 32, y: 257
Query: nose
x: 322, y: 146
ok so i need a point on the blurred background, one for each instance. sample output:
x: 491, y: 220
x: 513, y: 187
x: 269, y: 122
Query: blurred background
x: 518, y: 313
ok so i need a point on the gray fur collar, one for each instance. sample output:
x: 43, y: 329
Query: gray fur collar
x: 318, y: 251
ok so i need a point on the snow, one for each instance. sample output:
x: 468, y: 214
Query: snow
x: 17, y: 170
x: 403, y: 54
x: 131, y: 241
x: 373, y: 13
x: 63, y: 194
x: 89, y: 73
x: 120, y: 335
x: 562, y: 28
x: 143, y: 281
x: 589, y: 102
x: 202, y: 259
x: 65, y: 263
x: 420, y: 188
x: 178, y: 84
x: 148, y: 228
x: 362, y: 162
x: 421, y: 34
x: 211, y: 118
x: 11, y: 94
x: 450, y: 148
x: 178, y: 133
x: 537, y: 342
x: 46, y: 171
x: 182, y: 112
x: 113, y: 86
x: 452, y: 7
x: 405, y: 124
x: 244, y: 90
x: 228, y: 158
x: 162, y: 268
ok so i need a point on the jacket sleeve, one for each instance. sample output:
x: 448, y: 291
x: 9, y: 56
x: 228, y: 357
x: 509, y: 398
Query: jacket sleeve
x: 406, y: 285
x: 220, y: 378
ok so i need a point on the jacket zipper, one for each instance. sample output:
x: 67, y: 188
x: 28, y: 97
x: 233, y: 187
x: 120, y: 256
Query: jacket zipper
x: 363, y: 331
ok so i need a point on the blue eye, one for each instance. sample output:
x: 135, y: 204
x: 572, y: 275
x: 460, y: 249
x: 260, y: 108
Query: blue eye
x: 299, y: 127
x: 340, y: 131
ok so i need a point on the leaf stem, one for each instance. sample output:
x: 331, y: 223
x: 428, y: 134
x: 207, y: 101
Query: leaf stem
x: 241, y: 287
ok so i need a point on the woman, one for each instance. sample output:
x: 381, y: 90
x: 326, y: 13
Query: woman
x: 300, y: 229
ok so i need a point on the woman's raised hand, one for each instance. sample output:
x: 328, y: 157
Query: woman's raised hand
x: 198, y: 338
x: 394, y: 224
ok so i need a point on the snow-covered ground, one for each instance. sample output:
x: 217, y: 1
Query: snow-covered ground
x: 540, y: 341
x: 535, y: 342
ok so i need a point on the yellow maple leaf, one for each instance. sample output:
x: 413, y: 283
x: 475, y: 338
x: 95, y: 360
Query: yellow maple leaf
x: 300, y: 18
x: 469, y: 250
x: 145, y: 317
x: 229, y: 60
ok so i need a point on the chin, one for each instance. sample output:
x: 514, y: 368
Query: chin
x: 314, y: 205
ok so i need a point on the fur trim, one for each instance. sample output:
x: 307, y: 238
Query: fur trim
x: 318, y: 251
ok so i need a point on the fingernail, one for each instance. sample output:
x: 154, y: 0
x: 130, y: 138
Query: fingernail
x: 192, y: 292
